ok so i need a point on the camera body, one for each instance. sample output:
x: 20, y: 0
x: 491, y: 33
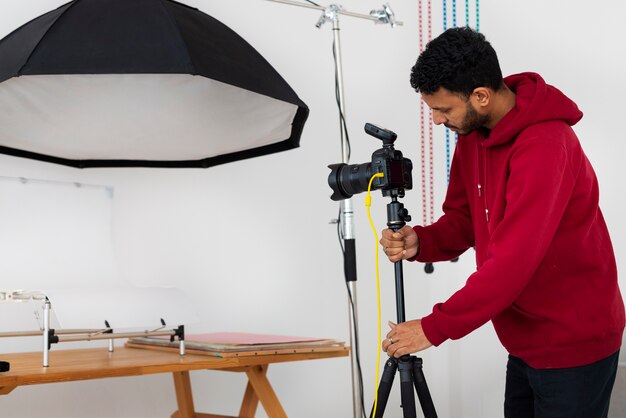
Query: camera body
x: 346, y: 180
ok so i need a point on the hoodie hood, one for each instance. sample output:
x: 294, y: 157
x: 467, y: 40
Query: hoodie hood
x: 535, y: 102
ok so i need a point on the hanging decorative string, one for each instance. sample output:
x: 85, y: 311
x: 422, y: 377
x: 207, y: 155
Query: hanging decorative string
x: 428, y: 204
x: 423, y: 139
x: 445, y: 26
x: 431, y: 164
x: 477, y: 14
x: 427, y: 136
x: 428, y: 201
x: 454, y: 13
x: 428, y: 207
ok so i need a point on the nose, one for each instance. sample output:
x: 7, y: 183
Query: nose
x: 438, y: 117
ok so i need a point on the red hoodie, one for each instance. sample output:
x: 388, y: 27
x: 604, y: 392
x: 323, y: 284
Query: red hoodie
x: 526, y: 198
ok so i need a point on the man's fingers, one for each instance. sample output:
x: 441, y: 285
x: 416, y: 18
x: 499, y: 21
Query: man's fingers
x: 394, y: 255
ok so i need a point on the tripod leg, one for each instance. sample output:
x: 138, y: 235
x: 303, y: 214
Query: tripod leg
x: 384, y: 387
x: 428, y: 407
x: 406, y: 387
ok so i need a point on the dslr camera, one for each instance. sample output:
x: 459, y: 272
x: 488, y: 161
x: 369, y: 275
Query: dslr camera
x: 347, y: 180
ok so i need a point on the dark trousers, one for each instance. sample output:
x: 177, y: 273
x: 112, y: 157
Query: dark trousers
x: 576, y: 392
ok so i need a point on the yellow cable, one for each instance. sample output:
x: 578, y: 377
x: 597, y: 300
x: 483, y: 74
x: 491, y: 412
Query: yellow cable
x: 368, y: 204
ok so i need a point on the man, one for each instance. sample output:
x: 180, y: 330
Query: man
x: 524, y: 195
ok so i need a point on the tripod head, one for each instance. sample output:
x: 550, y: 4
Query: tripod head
x: 397, y: 214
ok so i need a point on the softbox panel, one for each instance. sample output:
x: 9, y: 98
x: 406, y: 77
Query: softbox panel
x: 152, y: 83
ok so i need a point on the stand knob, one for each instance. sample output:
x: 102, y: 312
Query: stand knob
x: 404, y: 215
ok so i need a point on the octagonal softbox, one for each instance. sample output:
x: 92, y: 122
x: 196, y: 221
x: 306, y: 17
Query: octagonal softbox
x: 150, y: 83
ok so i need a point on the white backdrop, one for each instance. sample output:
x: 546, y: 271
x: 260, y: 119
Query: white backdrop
x: 251, y: 241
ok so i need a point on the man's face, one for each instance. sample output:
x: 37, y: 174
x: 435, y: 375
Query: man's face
x: 454, y: 112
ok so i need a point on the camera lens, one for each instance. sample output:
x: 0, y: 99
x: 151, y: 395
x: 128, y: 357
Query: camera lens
x: 347, y: 180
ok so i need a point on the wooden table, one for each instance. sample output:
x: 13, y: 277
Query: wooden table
x: 98, y: 363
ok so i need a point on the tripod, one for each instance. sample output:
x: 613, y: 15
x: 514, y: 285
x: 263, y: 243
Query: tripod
x: 411, y: 374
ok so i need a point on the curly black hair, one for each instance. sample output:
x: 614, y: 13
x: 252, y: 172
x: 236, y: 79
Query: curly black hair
x: 460, y: 60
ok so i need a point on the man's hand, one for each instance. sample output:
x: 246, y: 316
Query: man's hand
x: 401, y: 244
x: 405, y: 338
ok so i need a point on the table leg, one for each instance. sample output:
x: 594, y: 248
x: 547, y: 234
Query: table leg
x: 258, y: 380
x: 184, y: 397
x: 258, y: 390
x: 250, y: 399
x: 6, y: 389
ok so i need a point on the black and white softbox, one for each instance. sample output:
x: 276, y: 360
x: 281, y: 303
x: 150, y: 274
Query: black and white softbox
x: 152, y: 83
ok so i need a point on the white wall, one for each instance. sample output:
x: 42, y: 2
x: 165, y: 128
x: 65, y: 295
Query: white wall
x: 251, y: 241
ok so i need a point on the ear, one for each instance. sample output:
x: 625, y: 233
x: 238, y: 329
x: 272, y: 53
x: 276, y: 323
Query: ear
x: 481, y: 96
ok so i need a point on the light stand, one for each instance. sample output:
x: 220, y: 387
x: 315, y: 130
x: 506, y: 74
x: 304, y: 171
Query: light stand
x: 411, y: 374
x: 346, y: 216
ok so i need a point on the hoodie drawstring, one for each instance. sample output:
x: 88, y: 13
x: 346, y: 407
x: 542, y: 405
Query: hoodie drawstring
x: 482, y: 176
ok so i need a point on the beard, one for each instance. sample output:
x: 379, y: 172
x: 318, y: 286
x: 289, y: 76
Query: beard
x: 471, y: 122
